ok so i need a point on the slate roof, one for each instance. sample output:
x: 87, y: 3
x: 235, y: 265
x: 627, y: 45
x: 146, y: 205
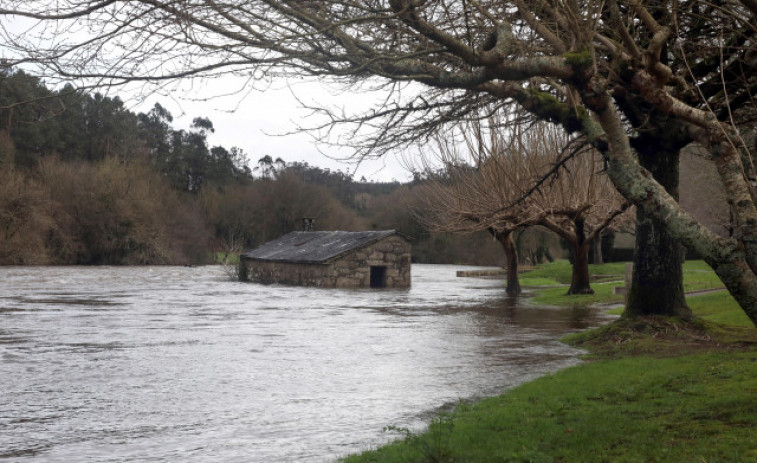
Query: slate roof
x: 314, y: 247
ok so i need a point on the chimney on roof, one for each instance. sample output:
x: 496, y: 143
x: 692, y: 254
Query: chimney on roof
x: 307, y: 223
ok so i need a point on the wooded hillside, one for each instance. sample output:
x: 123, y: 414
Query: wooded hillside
x: 84, y: 180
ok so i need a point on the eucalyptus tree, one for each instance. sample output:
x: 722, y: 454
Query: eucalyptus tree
x: 154, y: 127
x: 643, y: 76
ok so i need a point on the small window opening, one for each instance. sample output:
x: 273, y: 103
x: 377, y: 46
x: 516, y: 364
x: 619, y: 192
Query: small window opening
x: 378, y: 276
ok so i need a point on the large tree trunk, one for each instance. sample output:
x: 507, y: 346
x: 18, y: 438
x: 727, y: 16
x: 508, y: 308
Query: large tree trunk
x: 511, y: 261
x: 579, y: 250
x: 511, y: 254
x: 578, y: 246
x: 580, y: 281
x: 657, y: 282
x: 730, y: 258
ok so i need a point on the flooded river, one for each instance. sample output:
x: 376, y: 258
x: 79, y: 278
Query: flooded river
x: 174, y: 364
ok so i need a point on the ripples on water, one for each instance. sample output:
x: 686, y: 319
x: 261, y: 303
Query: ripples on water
x: 174, y: 364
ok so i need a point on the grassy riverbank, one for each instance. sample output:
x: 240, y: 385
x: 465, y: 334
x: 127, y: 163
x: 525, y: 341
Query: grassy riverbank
x: 662, y: 391
x: 550, y: 282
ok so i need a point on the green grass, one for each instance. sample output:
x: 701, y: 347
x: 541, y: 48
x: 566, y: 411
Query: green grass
x: 719, y: 307
x: 658, y: 390
x: 557, y: 296
x: 527, y: 280
x: 559, y: 272
x: 553, y: 273
x: 697, y: 276
x: 695, y: 408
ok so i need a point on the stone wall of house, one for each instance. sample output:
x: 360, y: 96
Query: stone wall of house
x: 352, y: 270
x: 286, y: 273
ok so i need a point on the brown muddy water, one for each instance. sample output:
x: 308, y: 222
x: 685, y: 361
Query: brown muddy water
x: 174, y: 364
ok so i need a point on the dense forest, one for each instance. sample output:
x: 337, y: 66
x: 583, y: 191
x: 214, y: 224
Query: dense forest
x: 84, y: 180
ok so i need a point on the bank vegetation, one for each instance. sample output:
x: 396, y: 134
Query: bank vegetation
x: 84, y: 180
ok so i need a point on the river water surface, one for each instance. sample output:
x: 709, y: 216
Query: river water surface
x: 174, y: 364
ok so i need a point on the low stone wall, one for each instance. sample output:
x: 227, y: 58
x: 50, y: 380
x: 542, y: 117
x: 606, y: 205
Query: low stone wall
x: 351, y: 270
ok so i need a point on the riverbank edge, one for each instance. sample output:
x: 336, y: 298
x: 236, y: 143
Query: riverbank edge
x: 657, y: 389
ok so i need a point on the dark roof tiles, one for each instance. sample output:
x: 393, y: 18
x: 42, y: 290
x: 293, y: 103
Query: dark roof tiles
x: 314, y: 246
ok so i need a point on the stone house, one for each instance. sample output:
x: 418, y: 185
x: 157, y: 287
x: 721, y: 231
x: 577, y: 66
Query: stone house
x: 331, y: 259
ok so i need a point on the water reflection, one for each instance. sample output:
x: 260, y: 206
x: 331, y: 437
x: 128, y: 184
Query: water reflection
x: 519, y: 311
x: 163, y: 364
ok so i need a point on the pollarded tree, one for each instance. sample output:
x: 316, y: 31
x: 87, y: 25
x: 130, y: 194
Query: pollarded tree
x: 578, y: 202
x: 639, y: 80
x: 462, y: 201
x: 498, y: 187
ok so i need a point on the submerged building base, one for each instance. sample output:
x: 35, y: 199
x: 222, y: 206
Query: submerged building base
x: 342, y: 260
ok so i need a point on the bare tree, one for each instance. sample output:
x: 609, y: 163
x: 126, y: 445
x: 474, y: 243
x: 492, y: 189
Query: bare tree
x: 456, y: 203
x: 23, y: 219
x: 635, y: 78
x: 498, y: 186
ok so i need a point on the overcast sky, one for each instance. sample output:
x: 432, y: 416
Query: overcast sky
x: 258, y: 121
